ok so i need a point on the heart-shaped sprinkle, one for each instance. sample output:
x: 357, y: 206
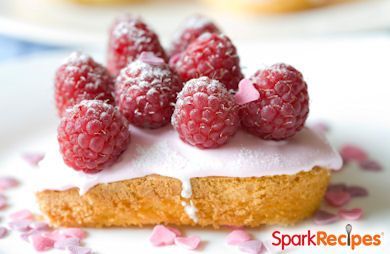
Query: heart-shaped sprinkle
x: 161, y: 236
x: 175, y: 231
x: 8, y: 182
x: 3, y: 232
x: 20, y: 225
x: 150, y: 58
x: 351, y: 214
x: 21, y: 215
x: 353, y: 153
x: 33, y: 159
x: 78, y: 250
x: 190, y: 242
x: 3, y: 201
x: 371, y: 165
x: 357, y: 191
x: 337, y: 198
x: 237, y: 236
x: 252, y: 247
x: 67, y: 242
x: 323, y: 218
x: 73, y: 233
x: 55, y: 235
x: 41, y: 243
x: 336, y: 187
x: 246, y: 93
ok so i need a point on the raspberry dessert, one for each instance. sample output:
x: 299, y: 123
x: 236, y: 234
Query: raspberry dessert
x: 206, y: 114
x: 239, y: 158
x: 129, y: 37
x: 189, y: 31
x: 282, y: 107
x: 146, y: 91
x: 92, y: 135
x: 210, y: 55
x: 81, y: 78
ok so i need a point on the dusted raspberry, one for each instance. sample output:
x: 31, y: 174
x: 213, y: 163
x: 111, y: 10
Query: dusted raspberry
x: 206, y: 114
x: 210, y: 55
x: 146, y: 91
x: 81, y: 78
x: 92, y: 135
x: 283, y: 106
x: 190, y: 30
x: 129, y: 37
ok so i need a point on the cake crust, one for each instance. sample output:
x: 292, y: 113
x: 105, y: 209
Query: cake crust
x: 155, y: 199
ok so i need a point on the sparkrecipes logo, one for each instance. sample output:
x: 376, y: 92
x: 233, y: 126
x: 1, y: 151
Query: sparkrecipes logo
x: 322, y: 238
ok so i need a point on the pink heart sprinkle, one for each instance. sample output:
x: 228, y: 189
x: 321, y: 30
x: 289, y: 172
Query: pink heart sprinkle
x: 41, y: 243
x: 150, y: 58
x: 190, y: 243
x: 8, y: 182
x: 161, y: 236
x: 79, y: 250
x: 323, y: 218
x: 67, y: 242
x: 21, y: 215
x: 20, y: 225
x: 3, y: 232
x: 252, y: 246
x: 353, y: 153
x: 246, y: 92
x: 33, y: 158
x: 237, y: 236
x: 337, y: 187
x: 73, y: 233
x: 337, y: 198
x: 174, y: 230
x: 370, y: 165
x: 3, y: 202
x: 357, y: 191
x: 351, y: 214
x: 55, y: 235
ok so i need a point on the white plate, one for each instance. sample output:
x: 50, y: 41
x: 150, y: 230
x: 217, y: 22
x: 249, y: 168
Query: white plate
x: 348, y: 83
x: 64, y: 23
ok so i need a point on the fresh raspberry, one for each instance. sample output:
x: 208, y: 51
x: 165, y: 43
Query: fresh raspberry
x: 129, y: 37
x: 81, y: 78
x: 283, y: 106
x: 92, y: 135
x: 206, y: 114
x: 146, y: 91
x: 210, y: 55
x: 189, y: 31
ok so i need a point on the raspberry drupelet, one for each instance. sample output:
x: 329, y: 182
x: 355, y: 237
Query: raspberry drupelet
x: 129, y: 37
x: 210, y: 55
x: 206, y: 115
x: 146, y: 91
x: 189, y: 31
x: 283, y: 106
x: 81, y: 78
x: 92, y: 135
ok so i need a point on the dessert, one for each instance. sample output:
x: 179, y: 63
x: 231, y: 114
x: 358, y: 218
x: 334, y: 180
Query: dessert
x: 239, y: 157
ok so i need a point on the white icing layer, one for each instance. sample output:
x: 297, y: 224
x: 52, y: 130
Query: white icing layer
x: 162, y: 152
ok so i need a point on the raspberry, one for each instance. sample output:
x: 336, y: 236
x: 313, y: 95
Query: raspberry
x: 92, y: 135
x: 210, y: 55
x: 283, y: 106
x: 190, y: 30
x: 146, y: 91
x: 129, y: 37
x: 206, y: 114
x: 81, y: 78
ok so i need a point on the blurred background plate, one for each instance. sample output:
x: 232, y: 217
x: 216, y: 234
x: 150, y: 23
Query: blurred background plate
x: 65, y: 23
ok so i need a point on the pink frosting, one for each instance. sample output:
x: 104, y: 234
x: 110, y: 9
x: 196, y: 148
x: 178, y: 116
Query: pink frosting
x: 162, y: 152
